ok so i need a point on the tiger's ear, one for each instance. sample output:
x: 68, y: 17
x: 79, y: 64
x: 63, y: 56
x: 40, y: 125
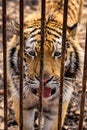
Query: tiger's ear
x: 73, y: 29
x: 15, y: 27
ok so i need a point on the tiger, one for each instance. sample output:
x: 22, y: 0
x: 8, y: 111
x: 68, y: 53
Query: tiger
x: 52, y: 64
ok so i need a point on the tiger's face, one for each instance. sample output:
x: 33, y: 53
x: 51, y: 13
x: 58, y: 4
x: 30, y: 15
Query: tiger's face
x: 51, y: 71
x: 52, y: 59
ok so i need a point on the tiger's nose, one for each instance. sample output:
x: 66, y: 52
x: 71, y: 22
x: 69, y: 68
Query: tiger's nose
x: 45, y: 79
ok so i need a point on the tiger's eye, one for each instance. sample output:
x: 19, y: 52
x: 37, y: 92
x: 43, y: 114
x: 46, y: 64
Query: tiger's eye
x: 57, y: 54
x: 32, y: 53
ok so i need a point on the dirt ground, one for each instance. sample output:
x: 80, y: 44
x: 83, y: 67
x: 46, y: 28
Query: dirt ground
x: 73, y: 113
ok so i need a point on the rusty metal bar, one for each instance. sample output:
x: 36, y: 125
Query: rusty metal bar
x: 42, y: 58
x: 4, y: 63
x: 83, y: 87
x: 62, y: 64
x: 21, y: 11
x: 80, y: 11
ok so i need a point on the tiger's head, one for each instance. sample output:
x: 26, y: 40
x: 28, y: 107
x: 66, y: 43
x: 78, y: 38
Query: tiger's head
x: 52, y: 57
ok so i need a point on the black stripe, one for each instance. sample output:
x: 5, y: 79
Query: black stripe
x: 50, y: 41
x: 50, y: 33
x: 53, y: 30
x: 33, y: 35
x: 35, y: 29
x: 32, y: 42
x: 12, y: 64
x: 75, y: 68
x: 48, y: 117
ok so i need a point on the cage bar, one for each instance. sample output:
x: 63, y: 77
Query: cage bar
x: 83, y: 87
x: 80, y: 11
x: 4, y: 62
x: 21, y: 11
x: 42, y: 58
x: 62, y: 64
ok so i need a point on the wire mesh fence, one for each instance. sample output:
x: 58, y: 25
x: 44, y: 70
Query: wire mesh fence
x: 21, y: 14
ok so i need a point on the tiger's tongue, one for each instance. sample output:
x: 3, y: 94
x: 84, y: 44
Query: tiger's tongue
x: 46, y: 92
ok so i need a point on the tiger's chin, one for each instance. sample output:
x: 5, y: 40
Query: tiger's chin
x: 47, y: 92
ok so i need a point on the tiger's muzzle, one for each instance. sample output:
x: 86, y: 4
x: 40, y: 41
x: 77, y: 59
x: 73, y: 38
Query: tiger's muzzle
x: 49, y: 87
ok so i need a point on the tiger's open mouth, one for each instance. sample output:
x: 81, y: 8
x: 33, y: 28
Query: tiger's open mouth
x: 47, y: 92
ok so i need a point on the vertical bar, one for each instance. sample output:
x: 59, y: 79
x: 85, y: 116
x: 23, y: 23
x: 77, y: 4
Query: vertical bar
x: 80, y: 11
x: 21, y: 62
x: 41, y: 58
x: 4, y: 62
x: 84, y: 87
x: 62, y: 64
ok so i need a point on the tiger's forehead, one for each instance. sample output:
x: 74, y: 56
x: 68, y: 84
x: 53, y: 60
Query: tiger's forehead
x: 50, y: 43
x: 52, y: 39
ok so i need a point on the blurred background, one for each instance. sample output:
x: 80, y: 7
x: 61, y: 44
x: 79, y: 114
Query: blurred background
x: 31, y: 6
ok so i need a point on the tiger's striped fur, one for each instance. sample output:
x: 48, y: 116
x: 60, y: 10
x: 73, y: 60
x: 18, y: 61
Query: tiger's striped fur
x: 74, y: 9
x: 52, y: 64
